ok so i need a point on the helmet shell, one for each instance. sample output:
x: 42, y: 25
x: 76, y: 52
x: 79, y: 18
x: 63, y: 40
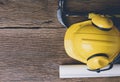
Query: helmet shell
x: 82, y: 40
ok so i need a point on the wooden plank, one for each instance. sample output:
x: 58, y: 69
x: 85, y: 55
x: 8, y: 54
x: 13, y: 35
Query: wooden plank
x: 33, y: 55
x: 42, y: 13
x: 94, y: 5
x: 28, y: 13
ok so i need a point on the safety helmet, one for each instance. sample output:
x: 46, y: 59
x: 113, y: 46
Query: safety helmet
x: 94, y: 42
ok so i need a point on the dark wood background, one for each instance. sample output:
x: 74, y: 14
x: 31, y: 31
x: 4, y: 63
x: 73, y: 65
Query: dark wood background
x: 31, y: 40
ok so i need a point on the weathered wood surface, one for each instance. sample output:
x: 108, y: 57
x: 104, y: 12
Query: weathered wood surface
x: 28, y: 13
x: 42, y: 13
x: 28, y: 55
x: 93, y: 5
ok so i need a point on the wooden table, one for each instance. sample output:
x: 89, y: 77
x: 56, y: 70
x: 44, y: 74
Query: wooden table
x: 31, y: 41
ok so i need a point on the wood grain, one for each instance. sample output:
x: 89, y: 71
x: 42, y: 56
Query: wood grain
x: 42, y: 13
x: 28, y: 13
x: 34, y: 55
x: 94, y: 5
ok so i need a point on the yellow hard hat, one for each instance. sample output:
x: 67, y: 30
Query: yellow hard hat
x: 101, y: 21
x: 83, y: 40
